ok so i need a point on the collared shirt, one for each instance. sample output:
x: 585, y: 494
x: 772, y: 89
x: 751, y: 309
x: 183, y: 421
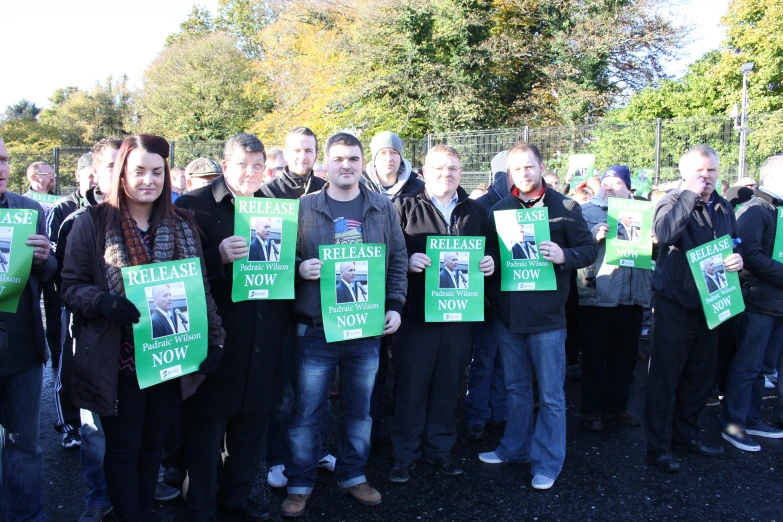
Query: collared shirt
x: 446, y: 210
x: 350, y: 288
x: 453, y: 277
x: 168, y: 318
x: 717, y: 280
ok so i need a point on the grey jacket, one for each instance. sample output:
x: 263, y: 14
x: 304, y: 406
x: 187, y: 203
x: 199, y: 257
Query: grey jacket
x: 607, y: 285
x: 380, y: 224
x: 38, y: 273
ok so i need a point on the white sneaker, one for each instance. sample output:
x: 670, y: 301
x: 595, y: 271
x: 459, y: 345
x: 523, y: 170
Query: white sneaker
x: 542, y: 482
x: 773, y: 377
x: 276, y: 478
x: 768, y: 384
x: 328, y: 462
x: 490, y: 457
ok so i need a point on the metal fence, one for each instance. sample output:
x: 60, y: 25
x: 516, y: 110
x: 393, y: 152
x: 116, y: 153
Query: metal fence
x: 655, y: 144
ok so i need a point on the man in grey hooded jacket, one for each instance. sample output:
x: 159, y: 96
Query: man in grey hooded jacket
x: 389, y: 173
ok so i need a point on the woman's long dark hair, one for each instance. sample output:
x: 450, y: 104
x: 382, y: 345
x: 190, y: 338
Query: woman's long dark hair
x: 162, y: 209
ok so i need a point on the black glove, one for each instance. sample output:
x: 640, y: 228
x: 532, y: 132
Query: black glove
x: 211, y: 363
x: 118, y: 309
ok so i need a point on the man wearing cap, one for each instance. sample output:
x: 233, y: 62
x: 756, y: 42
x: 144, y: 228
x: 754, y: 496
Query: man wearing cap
x: 67, y: 421
x: 275, y: 164
x: 611, y: 300
x: 389, y: 173
x: 201, y: 172
x: 297, y: 179
x: 684, y: 350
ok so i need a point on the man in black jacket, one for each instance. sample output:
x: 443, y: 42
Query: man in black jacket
x: 760, y: 328
x: 430, y: 358
x: 532, y: 326
x: 682, y: 364
x: 231, y: 408
x: 301, y: 151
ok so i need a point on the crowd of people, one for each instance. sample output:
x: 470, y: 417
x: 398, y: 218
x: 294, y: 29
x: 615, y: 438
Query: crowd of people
x: 262, y: 393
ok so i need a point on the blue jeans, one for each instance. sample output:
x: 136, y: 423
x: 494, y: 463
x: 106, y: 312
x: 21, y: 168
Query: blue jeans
x: 21, y: 478
x: 756, y: 333
x: 92, y: 450
x: 486, y: 398
x: 314, y: 362
x: 544, y: 444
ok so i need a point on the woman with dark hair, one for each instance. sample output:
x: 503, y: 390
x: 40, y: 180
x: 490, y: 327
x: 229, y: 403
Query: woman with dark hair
x: 135, y: 225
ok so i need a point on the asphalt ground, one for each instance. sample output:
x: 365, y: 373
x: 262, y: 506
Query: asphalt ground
x: 605, y: 478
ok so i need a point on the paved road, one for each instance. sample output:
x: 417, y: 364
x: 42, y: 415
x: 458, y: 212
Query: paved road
x: 605, y: 478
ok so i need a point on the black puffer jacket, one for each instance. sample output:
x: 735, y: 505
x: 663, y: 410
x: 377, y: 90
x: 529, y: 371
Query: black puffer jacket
x: 762, y: 276
x: 291, y: 186
x: 682, y: 222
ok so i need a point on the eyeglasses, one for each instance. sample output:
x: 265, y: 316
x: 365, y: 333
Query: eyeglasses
x: 257, y: 167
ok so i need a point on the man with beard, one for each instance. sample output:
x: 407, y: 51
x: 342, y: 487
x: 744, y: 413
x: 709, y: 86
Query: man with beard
x: 297, y: 179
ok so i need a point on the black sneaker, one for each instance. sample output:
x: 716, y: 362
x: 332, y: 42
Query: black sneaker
x: 401, y: 471
x: 164, y: 492
x: 72, y: 439
x: 739, y: 438
x: 476, y: 432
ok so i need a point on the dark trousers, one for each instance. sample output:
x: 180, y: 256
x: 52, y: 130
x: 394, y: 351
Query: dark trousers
x: 609, y: 338
x: 682, y: 370
x: 54, y: 321
x: 572, y: 344
x: 429, y: 363
x: 174, y: 444
x: 222, y: 454
x: 379, y: 389
x: 727, y: 348
x: 68, y: 417
x: 134, y: 442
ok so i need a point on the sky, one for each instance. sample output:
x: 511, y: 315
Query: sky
x: 82, y: 42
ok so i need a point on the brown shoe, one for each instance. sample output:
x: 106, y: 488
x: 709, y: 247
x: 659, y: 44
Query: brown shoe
x: 625, y: 417
x: 364, y: 494
x: 592, y: 422
x: 294, y: 506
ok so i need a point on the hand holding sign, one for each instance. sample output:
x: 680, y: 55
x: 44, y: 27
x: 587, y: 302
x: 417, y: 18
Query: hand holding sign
x: 311, y: 269
x: 41, y: 248
x: 599, y: 232
x: 233, y: 248
x: 487, y: 266
x: 393, y: 322
x: 733, y: 263
x: 552, y: 252
x: 418, y: 262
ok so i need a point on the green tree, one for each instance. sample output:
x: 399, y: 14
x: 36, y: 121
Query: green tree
x: 21, y: 110
x: 196, y: 89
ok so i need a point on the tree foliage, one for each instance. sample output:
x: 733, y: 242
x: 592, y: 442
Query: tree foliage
x: 22, y: 110
x: 196, y: 90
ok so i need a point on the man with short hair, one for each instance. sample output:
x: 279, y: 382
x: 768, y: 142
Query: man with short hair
x: 261, y: 248
x: 231, y: 407
x: 344, y: 212
x: 179, y: 182
x: 430, y: 358
x: 201, y: 172
x: 23, y: 349
x: 523, y: 249
x: 552, y: 180
x: 760, y: 328
x: 346, y: 289
x: 41, y: 178
x: 297, y: 179
x: 275, y: 163
x: 714, y: 280
x: 625, y: 229
x: 389, y: 173
x: 532, y: 326
x: 683, y: 359
x: 448, y: 275
x: 609, y: 315
x: 163, y: 323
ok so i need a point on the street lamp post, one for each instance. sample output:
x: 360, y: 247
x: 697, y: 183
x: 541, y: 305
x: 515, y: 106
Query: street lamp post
x: 746, y: 69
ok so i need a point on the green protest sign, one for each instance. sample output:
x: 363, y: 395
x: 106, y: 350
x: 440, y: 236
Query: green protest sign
x: 777, y: 249
x: 642, y: 180
x: 353, y: 290
x: 580, y: 167
x: 46, y: 200
x: 453, y: 284
x: 520, y: 232
x: 270, y: 228
x: 16, y: 258
x: 719, y: 290
x: 171, y: 337
x: 628, y: 241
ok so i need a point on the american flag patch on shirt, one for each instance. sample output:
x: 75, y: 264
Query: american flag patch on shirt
x: 347, y: 231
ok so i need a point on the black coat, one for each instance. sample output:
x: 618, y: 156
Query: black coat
x: 419, y: 219
x: 535, y: 312
x: 291, y: 186
x: 160, y: 325
x: 762, y: 276
x: 682, y: 222
x: 249, y: 379
x: 257, y: 251
x: 344, y: 294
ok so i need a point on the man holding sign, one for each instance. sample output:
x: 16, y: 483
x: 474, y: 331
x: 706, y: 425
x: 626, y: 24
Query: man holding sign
x: 532, y: 326
x: 430, y: 358
x: 683, y: 360
x: 760, y: 328
x: 22, y: 356
x: 345, y: 212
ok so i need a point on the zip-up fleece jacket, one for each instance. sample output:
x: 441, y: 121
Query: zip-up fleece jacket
x: 762, y: 276
x: 682, y: 222
x: 420, y: 219
x: 379, y: 225
x: 291, y: 186
x: 536, y: 312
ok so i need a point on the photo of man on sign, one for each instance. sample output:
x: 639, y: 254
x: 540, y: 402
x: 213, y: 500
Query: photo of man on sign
x: 525, y: 243
x: 454, y: 270
x: 6, y: 236
x: 712, y: 268
x: 628, y: 226
x: 265, y: 246
x: 168, y: 308
x: 352, y: 282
